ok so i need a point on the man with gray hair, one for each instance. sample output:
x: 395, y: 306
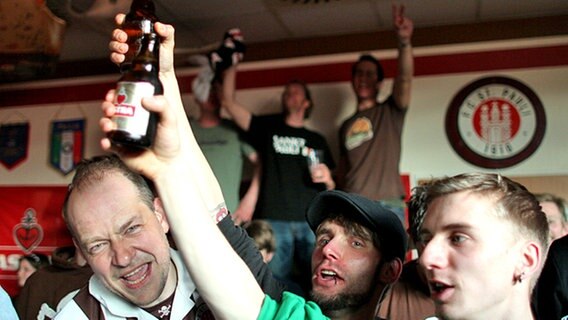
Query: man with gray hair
x: 555, y: 210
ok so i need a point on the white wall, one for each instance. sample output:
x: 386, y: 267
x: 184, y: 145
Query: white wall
x: 426, y: 151
x: 36, y: 170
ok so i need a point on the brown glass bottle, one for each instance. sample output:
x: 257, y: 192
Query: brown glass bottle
x: 135, y: 126
x: 138, y: 22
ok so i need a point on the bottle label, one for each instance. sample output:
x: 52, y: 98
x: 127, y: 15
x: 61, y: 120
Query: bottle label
x: 130, y: 115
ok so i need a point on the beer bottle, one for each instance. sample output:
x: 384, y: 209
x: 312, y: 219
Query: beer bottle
x: 135, y: 126
x: 138, y: 22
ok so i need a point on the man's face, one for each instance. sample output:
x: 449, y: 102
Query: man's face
x: 25, y: 270
x: 344, y: 268
x: 123, y: 240
x: 470, y: 256
x: 294, y: 98
x: 556, y: 223
x: 213, y: 103
x: 365, y: 81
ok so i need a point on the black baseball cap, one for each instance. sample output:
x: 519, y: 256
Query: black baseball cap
x: 371, y: 214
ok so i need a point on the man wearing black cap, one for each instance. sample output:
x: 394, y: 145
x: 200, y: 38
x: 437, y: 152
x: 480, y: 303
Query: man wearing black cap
x: 360, y: 247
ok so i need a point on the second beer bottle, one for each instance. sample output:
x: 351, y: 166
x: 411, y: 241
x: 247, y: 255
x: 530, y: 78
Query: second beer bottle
x: 135, y: 126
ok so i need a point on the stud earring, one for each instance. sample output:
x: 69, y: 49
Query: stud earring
x: 521, y: 277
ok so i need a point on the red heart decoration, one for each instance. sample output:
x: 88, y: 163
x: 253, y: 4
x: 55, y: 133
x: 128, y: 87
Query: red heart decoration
x: 120, y: 98
x: 28, y: 236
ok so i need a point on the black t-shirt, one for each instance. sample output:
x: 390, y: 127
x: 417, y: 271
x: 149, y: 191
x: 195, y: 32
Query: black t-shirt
x: 286, y: 185
x: 550, y: 296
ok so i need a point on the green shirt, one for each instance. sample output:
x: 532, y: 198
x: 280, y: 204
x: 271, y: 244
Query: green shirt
x: 290, y: 307
x: 224, y: 150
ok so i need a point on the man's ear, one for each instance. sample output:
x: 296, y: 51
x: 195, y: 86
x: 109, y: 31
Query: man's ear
x: 161, y: 214
x: 530, y: 261
x: 390, y: 271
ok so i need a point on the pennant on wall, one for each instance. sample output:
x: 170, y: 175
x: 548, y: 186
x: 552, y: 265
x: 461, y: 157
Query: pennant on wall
x: 14, y: 142
x: 67, y: 141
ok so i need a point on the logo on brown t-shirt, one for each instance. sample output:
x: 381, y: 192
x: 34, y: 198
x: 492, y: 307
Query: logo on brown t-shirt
x: 360, y: 131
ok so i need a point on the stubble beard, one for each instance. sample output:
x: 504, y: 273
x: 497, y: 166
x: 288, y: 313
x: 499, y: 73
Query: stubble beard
x: 343, y: 301
x: 347, y: 300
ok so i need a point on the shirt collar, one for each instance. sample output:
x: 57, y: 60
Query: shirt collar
x: 116, y: 307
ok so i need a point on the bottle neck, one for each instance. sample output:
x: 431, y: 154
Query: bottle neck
x: 143, y: 10
x: 144, y: 5
x: 149, y: 57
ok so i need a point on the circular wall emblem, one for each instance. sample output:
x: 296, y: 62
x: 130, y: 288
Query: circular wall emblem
x: 495, y: 122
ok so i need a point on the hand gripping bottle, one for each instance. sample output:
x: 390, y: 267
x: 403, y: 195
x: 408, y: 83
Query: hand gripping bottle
x: 135, y: 126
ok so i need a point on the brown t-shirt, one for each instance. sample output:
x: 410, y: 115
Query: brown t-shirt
x: 409, y: 298
x: 92, y: 308
x: 45, y: 288
x: 371, y: 141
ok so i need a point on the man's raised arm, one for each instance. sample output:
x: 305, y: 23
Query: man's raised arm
x: 403, y: 79
x: 241, y: 116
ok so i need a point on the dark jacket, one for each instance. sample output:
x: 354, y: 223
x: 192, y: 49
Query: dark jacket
x: 550, y: 296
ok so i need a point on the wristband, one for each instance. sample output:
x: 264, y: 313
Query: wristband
x: 220, y: 212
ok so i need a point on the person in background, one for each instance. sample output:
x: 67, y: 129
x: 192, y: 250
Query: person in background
x: 222, y: 144
x: 6, y: 307
x: 409, y: 297
x: 49, y: 289
x: 550, y: 296
x: 288, y: 183
x: 485, y: 240
x: 555, y: 209
x: 263, y: 236
x: 29, y: 264
x: 370, y: 140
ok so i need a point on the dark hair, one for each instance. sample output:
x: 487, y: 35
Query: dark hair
x: 369, y: 58
x: 307, y: 94
x: 262, y: 234
x: 37, y: 260
x: 356, y: 227
x: 91, y: 171
x: 416, y: 211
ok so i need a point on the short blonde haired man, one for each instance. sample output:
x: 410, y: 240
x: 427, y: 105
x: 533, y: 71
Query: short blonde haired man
x: 485, y: 242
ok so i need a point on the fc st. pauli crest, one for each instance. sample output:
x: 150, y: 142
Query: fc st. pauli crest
x: 495, y: 122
